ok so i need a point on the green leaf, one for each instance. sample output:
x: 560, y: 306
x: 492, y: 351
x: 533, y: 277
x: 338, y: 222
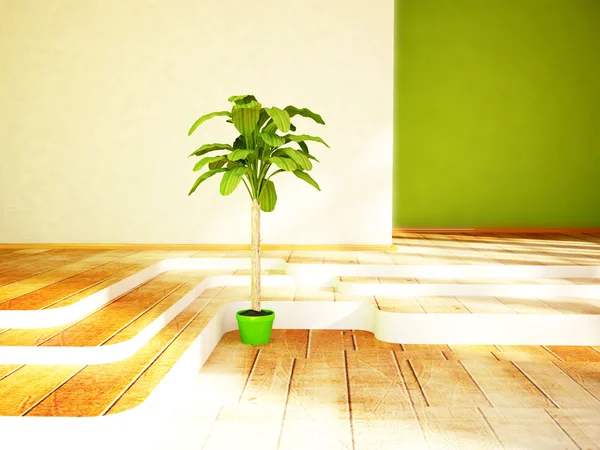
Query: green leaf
x: 270, y: 127
x: 262, y: 118
x: 216, y: 164
x: 238, y: 154
x: 241, y: 99
x: 232, y: 179
x: 209, y: 159
x: 239, y: 142
x: 292, y: 127
x: 210, y: 148
x: 203, y: 177
x: 306, y: 177
x: 304, y: 148
x: 304, y: 137
x: 280, y: 117
x: 283, y: 163
x: 298, y: 156
x: 275, y: 173
x: 272, y: 139
x: 293, y: 111
x: 205, y: 117
x: 268, y: 196
x: 245, y: 117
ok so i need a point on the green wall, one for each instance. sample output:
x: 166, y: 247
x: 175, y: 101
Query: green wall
x: 497, y: 113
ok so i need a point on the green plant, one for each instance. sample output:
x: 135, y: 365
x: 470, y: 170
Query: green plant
x: 257, y: 154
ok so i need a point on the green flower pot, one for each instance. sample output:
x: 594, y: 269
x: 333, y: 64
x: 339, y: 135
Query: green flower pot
x: 255, y: 329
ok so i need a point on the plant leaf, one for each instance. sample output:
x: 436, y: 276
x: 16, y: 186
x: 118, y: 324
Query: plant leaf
x: 270, y: 127
x: 205, y: 176
x: 275, y: 173
x: 241, y: 99
x: 304, y: 137
x: 292, y: 127
x: 272, y: 139
x: 219, y: 163
x: 239, y: 142
x: 209, y: 159
x: 298, y: 156
x: 245, y: 117
x: 210, y: 148
x: 304, y: 112
x: 280, y: 117
x: 232, y: 179
x: 306, y: 177
x: 268, y: 196
x: 262, y: 118
x: 283, y: 163
x: 205, y: 117
x: 238, y: 154
x: 304, y: 148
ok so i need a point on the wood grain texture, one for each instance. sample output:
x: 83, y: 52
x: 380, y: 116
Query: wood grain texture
x: 505, y: 386
x: 582, y: 426
x: 527, y: 428
x: 456, y: 428
x: 447, y: 384
x: 558, y: 386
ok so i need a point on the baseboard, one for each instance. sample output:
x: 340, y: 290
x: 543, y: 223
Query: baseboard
x: 214, y: 247
x: 495, y: 230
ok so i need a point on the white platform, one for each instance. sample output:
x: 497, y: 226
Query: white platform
x: 143, y: 425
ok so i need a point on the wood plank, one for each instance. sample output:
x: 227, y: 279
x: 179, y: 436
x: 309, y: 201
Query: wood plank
x: 427, y: 347
x: 49, y: 262
x: 366, y: 341
x: 286, y: 343
x: 527, y: 428
x: 382, y: 411
x: 27, y: 386
x: 572, y: 306
x: 586, y: 374
x: 447, y: 384
x: 53, y: 293
x: 524, y: 353
x: 93, y: 390
x: 398, y: 304
x: 49, y: 277
x: 484, y: 305
x: 257, y: 418
x: 575, y: 353
x: 329, y: 343
x: 442, y: 305
x: 471, y: 352
x: 456, y: 428
x: 558, y: 386
x: 102, y: 324
x: 528, y: 306
x: 583, y: 426
x: 11, y: 259
x: 505, y: 386
x: 318, y: 401
x: 135, y: 326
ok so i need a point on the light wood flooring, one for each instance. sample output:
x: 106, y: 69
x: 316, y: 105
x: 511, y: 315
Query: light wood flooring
x: 41, y: 278
x: 323, y: 389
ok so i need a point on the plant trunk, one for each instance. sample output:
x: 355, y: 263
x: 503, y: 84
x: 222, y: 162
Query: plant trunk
x: 255, y: 256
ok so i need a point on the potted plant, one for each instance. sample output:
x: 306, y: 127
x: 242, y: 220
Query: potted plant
x: 257, y: 155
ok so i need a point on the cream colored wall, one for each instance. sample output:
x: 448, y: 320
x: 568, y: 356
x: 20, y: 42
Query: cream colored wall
x: 96, y: 98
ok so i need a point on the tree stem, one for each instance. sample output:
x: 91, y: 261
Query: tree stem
x: 255, y: 256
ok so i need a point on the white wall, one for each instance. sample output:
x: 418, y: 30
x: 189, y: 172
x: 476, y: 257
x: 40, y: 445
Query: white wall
x: 96, y: 98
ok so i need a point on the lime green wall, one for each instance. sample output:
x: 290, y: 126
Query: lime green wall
x: 497, y: 113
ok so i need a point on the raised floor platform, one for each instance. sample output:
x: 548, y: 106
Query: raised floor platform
x: 140, y: 338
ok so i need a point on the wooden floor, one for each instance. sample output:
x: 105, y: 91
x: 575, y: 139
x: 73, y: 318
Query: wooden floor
x: 345, y: 389
x: 33, y: 279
